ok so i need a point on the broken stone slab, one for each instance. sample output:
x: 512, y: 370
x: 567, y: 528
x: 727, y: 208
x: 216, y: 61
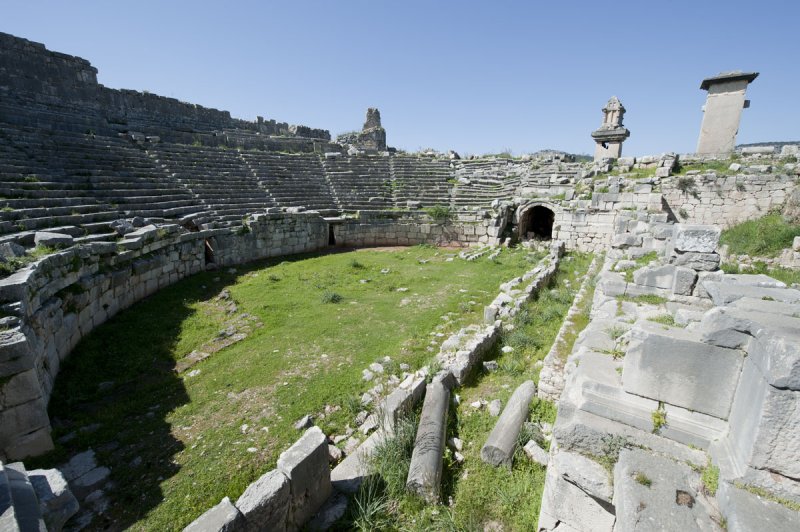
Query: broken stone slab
x: 745, y: 511
x: 265, y: 503
x: 675, y: 367
x: 657, y: 276
x: 565, y: 506
x: 652, y: 492
x: 707, y: 262
x: 697, y: 238
x: 10, y: 250
x: 685, y: 279
x: 500, y: 445
x: 305, y: 464
x: 224, y: 517
x: 767, y: 306
x: 56, y: 502
x: 750, y: 279
x: 351, y: 472
x: 536, y: 453
x: 26, y: 512
x: 52, y: 240
x: 331, y: 511
x: 722, y: 293
x: 425, y: 470
x: 585, y: 473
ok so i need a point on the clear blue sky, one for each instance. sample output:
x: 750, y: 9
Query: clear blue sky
x: 476, y: 77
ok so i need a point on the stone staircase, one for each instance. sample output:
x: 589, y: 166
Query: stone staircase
x: 361, y: 182
x: 33, y: 501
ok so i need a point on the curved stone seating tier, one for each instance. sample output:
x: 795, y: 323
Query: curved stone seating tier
x: 428, y: 181
x: 293, y: 180
x: 362, y: 182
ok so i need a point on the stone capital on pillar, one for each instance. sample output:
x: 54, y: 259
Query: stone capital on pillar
x: 611, y: 134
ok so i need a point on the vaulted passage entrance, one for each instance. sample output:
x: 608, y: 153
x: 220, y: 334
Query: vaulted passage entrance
x: 537, y: 223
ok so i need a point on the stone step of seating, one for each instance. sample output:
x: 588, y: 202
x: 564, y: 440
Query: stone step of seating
x: 78, y: 220
x: 26, y: 515
x: 99, y: 237
x: 23, y: 214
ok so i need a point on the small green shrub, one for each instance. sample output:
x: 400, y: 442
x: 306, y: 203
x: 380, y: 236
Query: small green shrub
x: 331, y: 297
x: 663, y: 319
x: 642, y: 479
x: 710, y: 478
x: 356, y: 265
x: 659, y: 418
x: 440, y: 213
x: 682, y: 213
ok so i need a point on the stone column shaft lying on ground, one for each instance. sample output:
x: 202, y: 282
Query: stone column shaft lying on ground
x: 425, y: 471
x: 499, y: 447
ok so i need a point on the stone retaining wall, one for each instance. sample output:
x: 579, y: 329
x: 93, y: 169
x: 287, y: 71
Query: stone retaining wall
x: 403, y: 228
x: 61, y: 298
x: 726, y: 200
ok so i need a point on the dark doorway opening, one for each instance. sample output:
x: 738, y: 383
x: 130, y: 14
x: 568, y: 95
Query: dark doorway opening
x: 331, y: 236
x: 539, y: 223
x: 209, y: 252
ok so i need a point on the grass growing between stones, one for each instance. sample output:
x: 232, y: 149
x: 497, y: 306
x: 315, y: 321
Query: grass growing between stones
x: 765, y: 237
x: 785, y: 275
x: 475, y: 494
x: 177, y: 443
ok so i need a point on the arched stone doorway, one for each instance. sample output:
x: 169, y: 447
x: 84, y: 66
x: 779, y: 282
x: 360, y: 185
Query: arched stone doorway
x: 536, y: 222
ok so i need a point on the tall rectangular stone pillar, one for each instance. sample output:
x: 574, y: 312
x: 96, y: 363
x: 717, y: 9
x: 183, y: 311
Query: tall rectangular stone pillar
x: 722, y: 111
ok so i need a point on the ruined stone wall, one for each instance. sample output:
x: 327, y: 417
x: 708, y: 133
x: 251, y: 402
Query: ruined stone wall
x: 52, y: 90
x: 726, y: 200
x: 68, y: 294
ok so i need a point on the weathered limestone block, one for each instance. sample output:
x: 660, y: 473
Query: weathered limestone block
x: 657, y: 276
x: 684, y: 281
x: 652, y: 492
x: 697, y: 261
x: 305, y: 464
x: 502, y: 441
x: 566, y: 506
x: 675, y: 367
x: 723, y: 293
x: 224, y: 517
x: 265, y: 503
x: 56, y: 502
x: 425, y: 470
x: 52, y: 240
x: 25, y: 514
x: 745, y: 512
x: 697, y: 238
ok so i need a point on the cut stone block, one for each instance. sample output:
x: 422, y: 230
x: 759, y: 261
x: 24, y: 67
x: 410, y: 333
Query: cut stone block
x: 655, y: 493
x: 500, y: 445
x: 708, y: 262
x: 684, y: 281
x: 425, y: 470
x: 657, y: 276
x: 673, y: 366
x: 698, y: 238
x: 224, y: 517
x: 305, y: 464
x: 56, y: 502
x: 26, y: 506
x: 565, y: 506
x: 52, y: 240
x: 725, y: 293
x: 745, y: 512
x: 265, y: 502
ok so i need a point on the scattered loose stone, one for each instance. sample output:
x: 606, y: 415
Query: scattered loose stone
x: 536, y: 453
x: 304, y: 422
x: 490, y: 365
x: 495, y: 407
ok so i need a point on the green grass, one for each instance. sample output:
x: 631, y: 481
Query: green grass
x: 710, y: 478
x: 720, y: 167
x: 188, y: 430
x: 663, y: 319
x: 650, y: 299
x: 478, y: 493
x: 643, y: 479
x: 764, y: 237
